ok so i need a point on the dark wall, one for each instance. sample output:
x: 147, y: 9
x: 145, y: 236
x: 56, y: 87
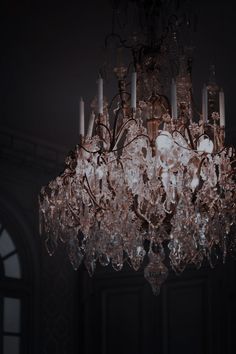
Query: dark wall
x: 194, y: 313
x: 49, y: 317
x: 52, y: 52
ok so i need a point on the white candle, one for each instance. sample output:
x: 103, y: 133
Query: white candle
x: 174, y: 111
x: 81, y: 117
x: 204, y: 104
x: 222, y: 108
x: 133, y: 90
x: 90, y: 126
x: 100, y: 95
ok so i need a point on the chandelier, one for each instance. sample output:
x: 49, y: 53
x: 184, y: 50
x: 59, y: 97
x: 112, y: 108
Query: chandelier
x: 148, y: 183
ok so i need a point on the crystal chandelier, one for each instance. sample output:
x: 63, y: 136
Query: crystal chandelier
x: 148, y: 183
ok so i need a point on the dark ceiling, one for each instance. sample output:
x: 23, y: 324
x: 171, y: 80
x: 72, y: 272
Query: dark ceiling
x: 51, y: 54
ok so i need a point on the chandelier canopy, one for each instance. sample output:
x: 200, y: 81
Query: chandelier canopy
x: 148, y: 183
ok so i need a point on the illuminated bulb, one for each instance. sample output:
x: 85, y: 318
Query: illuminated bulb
x: 205, y: 145
x: 164, y: 142
x: 195, y: 182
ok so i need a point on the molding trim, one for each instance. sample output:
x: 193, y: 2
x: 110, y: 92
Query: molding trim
x: 29, y: 152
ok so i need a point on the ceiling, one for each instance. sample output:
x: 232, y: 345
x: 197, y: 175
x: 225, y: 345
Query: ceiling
x: 52, y: 53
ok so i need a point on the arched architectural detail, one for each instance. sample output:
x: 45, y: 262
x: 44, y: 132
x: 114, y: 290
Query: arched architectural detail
x: 19, y: 280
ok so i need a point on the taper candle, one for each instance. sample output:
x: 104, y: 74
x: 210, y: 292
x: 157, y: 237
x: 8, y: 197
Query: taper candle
x: 174, y: 110
x: 133, y: 90
x: 81, y: 117
x: 90, y: 125
x: 222, y: 108
x: 100, y: 95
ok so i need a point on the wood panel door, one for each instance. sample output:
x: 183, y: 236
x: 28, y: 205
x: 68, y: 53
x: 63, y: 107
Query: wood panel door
x: 194, y: 313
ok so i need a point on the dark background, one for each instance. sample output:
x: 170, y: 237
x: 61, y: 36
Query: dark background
x: 51, y: 55
x: 52, y: 52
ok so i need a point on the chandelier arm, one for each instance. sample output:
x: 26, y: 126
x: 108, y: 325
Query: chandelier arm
x: 224, y: 148
x: 102, y: 158
x: 177, y: 131
x: 203, y: 134
x: 165, y: 209
x: 91, y: 152
x: 193, y: 149
x: 190, y: 137
x: 116, y: 95
x: 213, y: 153
x: 200, y: 166
x: 121, y: 131
x: 112, y: 100
x: 107, y: 129
x: 92, y: 196
x: 115, y: 127
x: 124, y: 146
x: 66, y: 176
x: 110, y: 186
x: 104, y: 141
x: 141, y: 216
x: 220, y: 151
x: 129, y: 120
x: 165, y: 109
x: 111, y: 161
x: 121, y: 163
x: 73, y: 213
x: 190, y: 149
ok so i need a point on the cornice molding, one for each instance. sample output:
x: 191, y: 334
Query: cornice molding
x: 27, y: 152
